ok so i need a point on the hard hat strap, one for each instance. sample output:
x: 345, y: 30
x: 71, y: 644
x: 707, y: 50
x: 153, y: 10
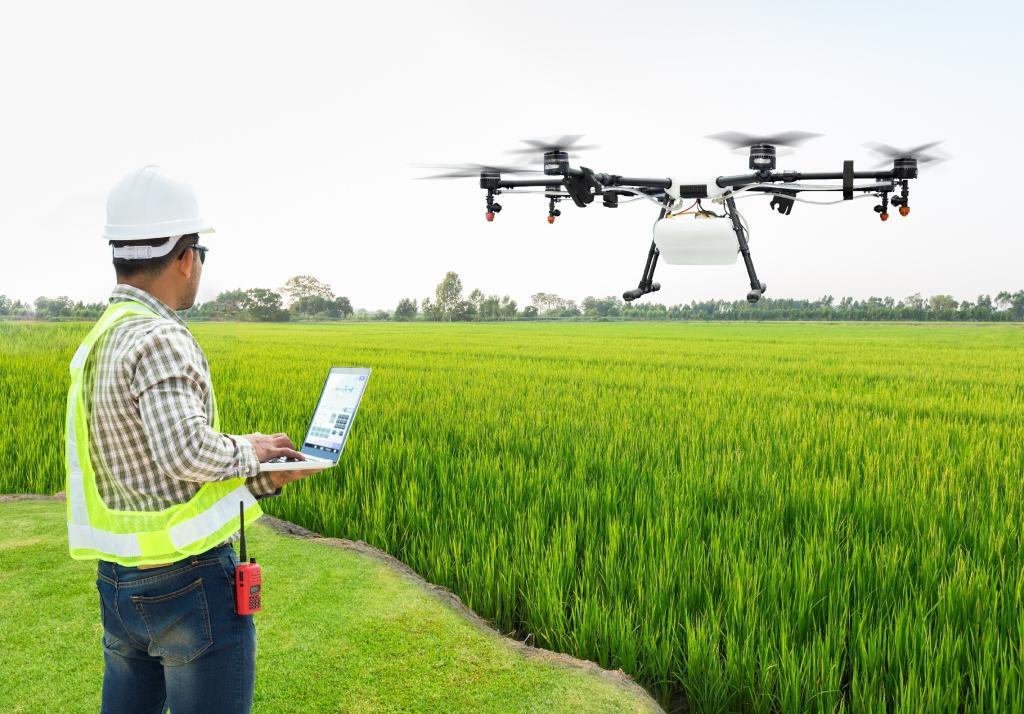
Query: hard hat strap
x: 142, y: 252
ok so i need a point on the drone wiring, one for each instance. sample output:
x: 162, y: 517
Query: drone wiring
x: 797, y: 186
x: 705, y: 211
x: 660, y: 203
x: 750, y: 194
x: 684, y: 212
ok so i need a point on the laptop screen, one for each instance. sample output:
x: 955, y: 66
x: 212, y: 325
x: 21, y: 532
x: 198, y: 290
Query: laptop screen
x: 335, y: 412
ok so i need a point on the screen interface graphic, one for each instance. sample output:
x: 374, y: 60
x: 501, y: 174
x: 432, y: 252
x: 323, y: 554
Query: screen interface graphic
x: 334, y: 414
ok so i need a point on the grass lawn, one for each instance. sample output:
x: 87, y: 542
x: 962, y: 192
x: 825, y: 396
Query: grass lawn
x: 339, y: 631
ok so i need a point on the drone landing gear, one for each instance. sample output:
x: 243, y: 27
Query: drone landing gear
x: 757, y: 288
x: 646, y: 280
x: 647, y: 284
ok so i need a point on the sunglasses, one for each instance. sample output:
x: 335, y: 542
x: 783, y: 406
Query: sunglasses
x: 201, y: 250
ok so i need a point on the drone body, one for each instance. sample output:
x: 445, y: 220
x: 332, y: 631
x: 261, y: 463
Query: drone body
x: 692, y: 234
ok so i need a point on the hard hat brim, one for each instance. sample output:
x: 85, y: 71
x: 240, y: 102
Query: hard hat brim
x: 156, y: 230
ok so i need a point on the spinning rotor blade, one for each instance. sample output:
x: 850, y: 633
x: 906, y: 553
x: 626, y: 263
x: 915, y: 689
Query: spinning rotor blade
x: 917, y: 152
x: 562, y: 143
x: 473, y: 170
x: 739, y: 140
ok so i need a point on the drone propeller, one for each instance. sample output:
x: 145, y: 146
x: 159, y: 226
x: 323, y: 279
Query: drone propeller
x: 473, y: 170
x: 739, y: 140
x: 562, y: 143
x: 891, y: 153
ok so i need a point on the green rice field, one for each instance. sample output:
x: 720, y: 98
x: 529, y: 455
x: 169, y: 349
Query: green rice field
x: 744, y: 517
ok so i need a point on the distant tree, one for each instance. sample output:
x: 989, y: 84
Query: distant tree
x: 196, y: 312
x: 406, y: 310
x: 5, y: 305
x: 343, y: 306
x: 551, y: 305
x: 1017, y: 305
x: 940, y: 303
x: 489, y: 308
x: 300, y: 286
x: 463, y: 311
x: 313, y: 306
x: 563, y: 308
x: 21, y: 309
x: 264, y: 305
x: 430, y: 311
x: 52, y: 308
x: 543, y: 301
x: 914, y: 302
x: 228, y: 305
x: 448, y: 295
x: 507, y: 308
x: 610, y: 306
x: 87, y: 311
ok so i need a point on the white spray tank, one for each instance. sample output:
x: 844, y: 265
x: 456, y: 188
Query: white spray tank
x: 696, y: 239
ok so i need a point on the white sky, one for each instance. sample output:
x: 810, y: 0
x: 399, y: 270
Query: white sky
x: 300, y: 124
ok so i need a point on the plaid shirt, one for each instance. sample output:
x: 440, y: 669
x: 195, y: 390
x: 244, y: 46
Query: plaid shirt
x: 150, y: 406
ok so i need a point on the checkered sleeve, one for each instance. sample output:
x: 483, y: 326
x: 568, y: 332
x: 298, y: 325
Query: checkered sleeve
x: 171, y: 384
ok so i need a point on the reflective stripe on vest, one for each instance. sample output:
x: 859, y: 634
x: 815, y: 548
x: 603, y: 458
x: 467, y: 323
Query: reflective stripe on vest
x: 139, y: 537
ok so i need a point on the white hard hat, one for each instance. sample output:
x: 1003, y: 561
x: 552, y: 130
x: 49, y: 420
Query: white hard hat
x: 146, y: 204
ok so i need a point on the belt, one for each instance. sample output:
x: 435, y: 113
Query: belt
x: 164, y: 565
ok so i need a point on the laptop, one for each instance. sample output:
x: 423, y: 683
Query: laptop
x: 332, y: 420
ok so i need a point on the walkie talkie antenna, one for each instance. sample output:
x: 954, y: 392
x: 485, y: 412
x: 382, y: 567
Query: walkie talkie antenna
x: 241, y: 524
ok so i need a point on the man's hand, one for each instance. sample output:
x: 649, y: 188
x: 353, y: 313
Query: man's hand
x: 280, y: 478
x: 272, y: 446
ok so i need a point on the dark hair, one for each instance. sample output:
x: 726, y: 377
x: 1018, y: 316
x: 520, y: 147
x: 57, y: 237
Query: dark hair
x: 150, y: 267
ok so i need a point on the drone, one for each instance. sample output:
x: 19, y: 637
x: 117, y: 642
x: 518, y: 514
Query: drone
x: 694, y: 234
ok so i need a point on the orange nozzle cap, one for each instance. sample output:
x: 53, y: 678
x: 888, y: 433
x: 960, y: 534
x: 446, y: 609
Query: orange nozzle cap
x: 551, y: 219
x: 884, y: 216
x: 489, y: 215
x: 904, y: 210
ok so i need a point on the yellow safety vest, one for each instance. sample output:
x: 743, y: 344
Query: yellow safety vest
x: 139, y: 537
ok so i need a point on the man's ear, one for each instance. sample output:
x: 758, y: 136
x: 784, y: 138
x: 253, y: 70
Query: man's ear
x: 184, y: 263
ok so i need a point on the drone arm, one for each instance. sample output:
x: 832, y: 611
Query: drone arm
x: 771, y: 189
x: 526, y: 183
x: 791, y: 176
x: 611, y: 180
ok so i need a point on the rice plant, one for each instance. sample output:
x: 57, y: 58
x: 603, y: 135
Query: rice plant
x: 744, y: 517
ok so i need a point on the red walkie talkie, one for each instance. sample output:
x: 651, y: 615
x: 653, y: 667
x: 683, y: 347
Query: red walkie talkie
x: 248, y: 580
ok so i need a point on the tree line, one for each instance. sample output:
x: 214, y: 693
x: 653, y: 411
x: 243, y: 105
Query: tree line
x: 304, y: 297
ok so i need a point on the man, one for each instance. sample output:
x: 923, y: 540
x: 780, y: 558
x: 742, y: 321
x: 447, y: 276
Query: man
x: 153, y: 487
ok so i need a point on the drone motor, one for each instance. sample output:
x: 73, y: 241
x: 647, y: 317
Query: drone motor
x: 556, y: 163
x: 762, y: 157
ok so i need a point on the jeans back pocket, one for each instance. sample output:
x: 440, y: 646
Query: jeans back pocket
x: 178, y: 622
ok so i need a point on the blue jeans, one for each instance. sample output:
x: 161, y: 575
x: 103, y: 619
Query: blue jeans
x: 171, y: 637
